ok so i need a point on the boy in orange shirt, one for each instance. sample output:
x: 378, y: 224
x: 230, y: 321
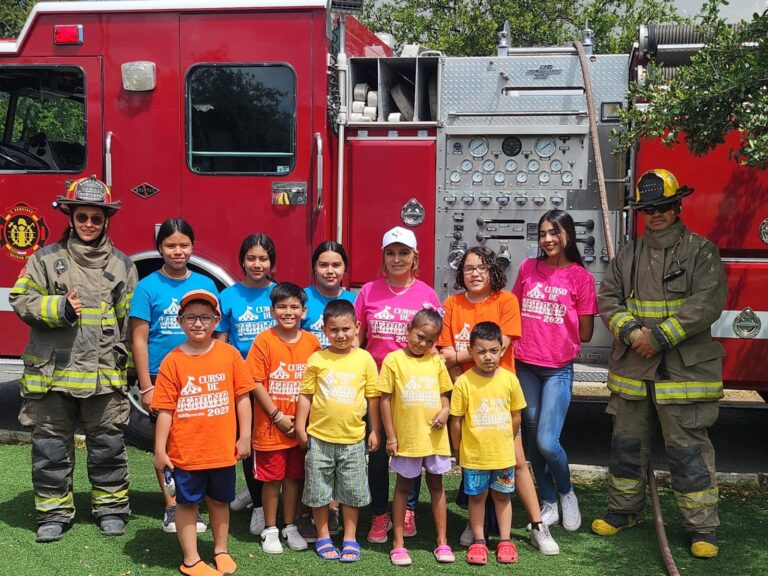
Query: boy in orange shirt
x: 277, y: 361
x: 201, y: 395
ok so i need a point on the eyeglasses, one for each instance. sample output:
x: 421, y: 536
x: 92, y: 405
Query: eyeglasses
x: 192, y: 319
x: 469, y: 270
x: 96, y: 219
x: 660, y: 208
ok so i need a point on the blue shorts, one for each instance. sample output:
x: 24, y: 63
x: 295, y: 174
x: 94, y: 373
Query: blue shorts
x: 216, y: 483
x: 478, y: 481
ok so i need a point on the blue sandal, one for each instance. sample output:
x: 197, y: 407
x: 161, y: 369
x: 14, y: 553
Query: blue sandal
x: 324, y: 546
x: 351, y: 548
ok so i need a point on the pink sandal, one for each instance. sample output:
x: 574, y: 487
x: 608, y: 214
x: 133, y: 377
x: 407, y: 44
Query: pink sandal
x: 400, y: 557
x: 444, y: 554
x: 506, y: 552
x: 477, y: 554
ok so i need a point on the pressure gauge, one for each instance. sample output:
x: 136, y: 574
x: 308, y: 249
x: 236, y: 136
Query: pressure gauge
x: 477, y: 177
x: 545, y: 146
x: 511, y: 146
x: 567, y: 177
x: 499, y: 177
x: 457, y: 147
x: 555, y: 166
x: 466, y: 165
x: 489, y: 166
x: 533, y: 165
x: 478, y: 147
x: 544, y: 177
x: 521, y: 177
x: 511, y: 165
x: 455, y: 177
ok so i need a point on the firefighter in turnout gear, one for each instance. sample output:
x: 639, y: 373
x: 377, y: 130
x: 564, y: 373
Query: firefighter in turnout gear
x: 659, y: 298
x: 75, y: 296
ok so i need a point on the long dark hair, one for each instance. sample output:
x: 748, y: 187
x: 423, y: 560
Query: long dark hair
x: 170, y: 227
x: 495, y: 270
x: 562, y: 223
x: 265, y: 242
x: 330, y: 246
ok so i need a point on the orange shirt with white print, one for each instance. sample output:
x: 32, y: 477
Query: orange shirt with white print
x: 461, y: 315
x: 279, y: 366
x: 201, y: 391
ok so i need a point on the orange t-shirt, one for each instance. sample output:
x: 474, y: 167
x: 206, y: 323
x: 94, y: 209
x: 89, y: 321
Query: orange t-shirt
x: 461, y: 315
x: 279, y: 366
x: 201, y: 391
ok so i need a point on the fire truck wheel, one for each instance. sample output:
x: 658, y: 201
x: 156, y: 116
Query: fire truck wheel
x: 141, y: 429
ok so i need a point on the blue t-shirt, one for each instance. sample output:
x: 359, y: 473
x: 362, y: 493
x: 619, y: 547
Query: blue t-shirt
x: 156, y: 300
x: 245, y: 314
x: 315, y: 305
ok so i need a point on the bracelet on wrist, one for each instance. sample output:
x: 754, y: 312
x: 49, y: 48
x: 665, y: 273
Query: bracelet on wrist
x: 146, y: 390
x: 276, y: 419
x: 392, y: 441
x: 273, y: 414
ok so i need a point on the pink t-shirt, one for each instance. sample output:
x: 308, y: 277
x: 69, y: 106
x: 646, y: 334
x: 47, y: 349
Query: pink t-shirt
x: 384, y: 315
x: 551, y: 301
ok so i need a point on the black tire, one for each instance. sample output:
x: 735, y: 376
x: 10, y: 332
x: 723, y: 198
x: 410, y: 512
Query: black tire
x: 141, y: 429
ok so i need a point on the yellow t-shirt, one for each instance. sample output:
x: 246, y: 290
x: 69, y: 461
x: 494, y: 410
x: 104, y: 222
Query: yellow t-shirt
x: 486, y: 431
x: 416, y: 384
x: 339, y: 384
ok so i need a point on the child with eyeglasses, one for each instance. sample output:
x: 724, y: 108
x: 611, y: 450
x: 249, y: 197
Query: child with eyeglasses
x: 203, y: 428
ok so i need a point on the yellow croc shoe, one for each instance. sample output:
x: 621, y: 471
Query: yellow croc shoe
x: 704, y: 545
x: 612, y: 523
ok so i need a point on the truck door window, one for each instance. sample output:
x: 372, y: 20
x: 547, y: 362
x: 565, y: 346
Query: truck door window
x: 241, y: 119
x: 42, y: 118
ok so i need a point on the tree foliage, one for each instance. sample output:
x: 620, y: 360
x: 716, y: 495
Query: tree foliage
x: 469, y: 27
x: 13, y: 14
x: 724, y: 89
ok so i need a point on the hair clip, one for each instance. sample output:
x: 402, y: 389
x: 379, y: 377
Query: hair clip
x: 429, y: 306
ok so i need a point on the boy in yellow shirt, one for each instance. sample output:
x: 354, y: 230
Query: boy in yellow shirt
x: 337, y: 383
x: 485, y: 417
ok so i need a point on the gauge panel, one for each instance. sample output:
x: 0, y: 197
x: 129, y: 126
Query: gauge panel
x: 555, y: 166
x: 511, y: 146
x: 477, y: 177
x: 489, y: 166
x: 455, y: 177
x: 466, y: 165
x: 533, y: 165
x: 510, y: 166
x: 545, y: 146
x: 478, y: 147
x: 522, y: 177
x: 499, y: 177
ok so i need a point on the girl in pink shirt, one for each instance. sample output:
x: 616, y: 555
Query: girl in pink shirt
x: 384, y: 309
x: 557, y: 307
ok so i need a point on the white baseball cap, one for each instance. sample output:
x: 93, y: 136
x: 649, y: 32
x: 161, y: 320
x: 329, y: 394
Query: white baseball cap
x: 399, y: 235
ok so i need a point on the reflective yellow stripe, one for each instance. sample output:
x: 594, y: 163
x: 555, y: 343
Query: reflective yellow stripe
x: 689, y: 390
x: 48, y: 310
x: 626, y: 485
x: 24, y: 284
x: 673, y: 331
x: 35, y: 382
x: 692, y: 500
x: 624, y: 385
x: 102, y: 497
x: 74, y: 380
x: 618, y: 321
x: 123, y: 305
x: 47, y: 504
x: 654, y: 308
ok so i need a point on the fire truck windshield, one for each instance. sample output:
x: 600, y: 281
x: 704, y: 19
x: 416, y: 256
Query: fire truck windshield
x: 42, y: 118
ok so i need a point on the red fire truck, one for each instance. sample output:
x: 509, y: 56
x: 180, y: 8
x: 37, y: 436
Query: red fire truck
x: 288, y: 117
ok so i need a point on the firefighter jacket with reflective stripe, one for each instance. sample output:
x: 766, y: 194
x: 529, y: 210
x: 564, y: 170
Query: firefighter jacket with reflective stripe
x: 80, y: 355
x: 672, y: 282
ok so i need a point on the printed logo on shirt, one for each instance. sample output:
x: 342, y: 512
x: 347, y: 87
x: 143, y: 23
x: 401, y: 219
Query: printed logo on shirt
x: 421, y: 391
x: 285, y: 381
x: 541, y: 303
x: 317, y: 329
x: 253, y: 322
x: 492, y: 414
x: 392, y: 324
x: 168, y: 323
x: 336, y: 386
x: 203, y: 398
x: 384, y: 314
x: 461, y: 339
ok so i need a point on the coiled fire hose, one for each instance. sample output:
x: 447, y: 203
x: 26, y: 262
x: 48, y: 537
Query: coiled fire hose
x: 658, y: 522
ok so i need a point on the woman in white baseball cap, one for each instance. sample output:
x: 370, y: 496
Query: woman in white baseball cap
x: 384, y: 308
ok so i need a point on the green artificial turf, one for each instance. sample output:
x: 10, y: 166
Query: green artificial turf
x: 146, y: 550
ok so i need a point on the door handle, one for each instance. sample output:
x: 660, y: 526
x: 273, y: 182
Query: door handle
x: 319, y: 173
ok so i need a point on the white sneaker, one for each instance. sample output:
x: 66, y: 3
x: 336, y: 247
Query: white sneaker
x: 571, y: 514
x: 293, y: 538
x: 200, y: 526
x: 242, y: 501
x: 270, y: 541
x: 257, y: 521
x: 543, y: 541
x: 466, y: 537
x: 549, y: 513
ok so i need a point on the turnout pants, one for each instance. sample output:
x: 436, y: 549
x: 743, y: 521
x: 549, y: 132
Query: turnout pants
x: 690, y: 455
x: 53, y: 419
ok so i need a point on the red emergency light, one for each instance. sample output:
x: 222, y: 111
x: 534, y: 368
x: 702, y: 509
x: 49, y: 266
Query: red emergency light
x: 68, y: 35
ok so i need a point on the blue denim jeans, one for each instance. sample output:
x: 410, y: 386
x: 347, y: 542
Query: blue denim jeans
x: 548, y: 393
